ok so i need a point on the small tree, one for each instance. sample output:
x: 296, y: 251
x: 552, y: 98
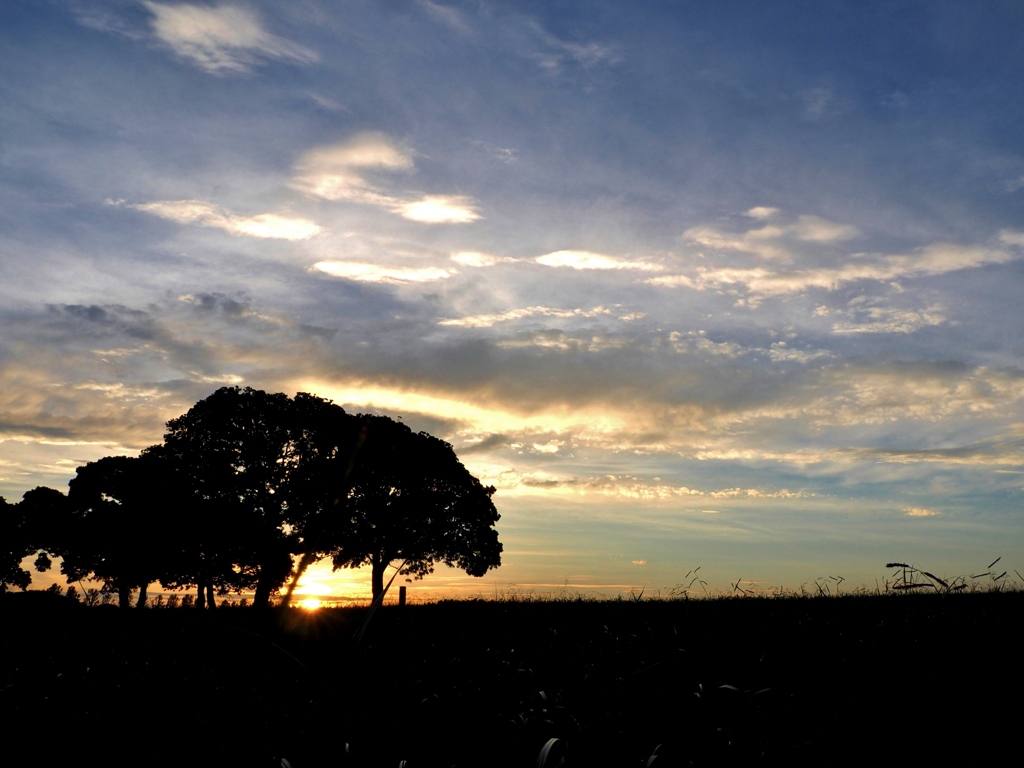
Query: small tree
x: 407, y: 498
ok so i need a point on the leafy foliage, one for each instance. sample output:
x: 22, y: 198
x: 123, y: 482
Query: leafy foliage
x: 408, y: 498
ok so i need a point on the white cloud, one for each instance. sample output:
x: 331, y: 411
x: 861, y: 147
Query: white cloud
x: 935, y: 259
x: 919, y: 512
x: 819, y: 230
x: 696, y: 341
x: 762, y: 212
x: 375, y: 273
x: 1011, y: 237
x: 779, y: 352
x: 335, y: 172
x: 488, y: 320
x: 588, y: 260
x: 204, y: 214
x: 440, y: 209
x: 763, y: 241
x: 882, y: 320
x: 338, y: 172
x: 221, y: 39
x: 477, y: 259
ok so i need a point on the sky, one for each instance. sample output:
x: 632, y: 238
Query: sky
x: 733, y: 285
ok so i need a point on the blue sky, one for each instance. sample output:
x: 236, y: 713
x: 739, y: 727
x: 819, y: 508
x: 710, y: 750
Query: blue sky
x: 733, y: 285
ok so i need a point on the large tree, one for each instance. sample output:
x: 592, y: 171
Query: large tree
x: 122, y: 524
x: 404, y: 497
x: 237, y: 451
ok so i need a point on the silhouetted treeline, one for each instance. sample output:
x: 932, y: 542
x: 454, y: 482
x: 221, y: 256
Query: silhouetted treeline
x: 245, y: 483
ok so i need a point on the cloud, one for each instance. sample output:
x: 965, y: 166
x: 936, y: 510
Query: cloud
x: 375, y: 273
x: 221, y: 39
x: 263, y: 225
x: 696, y: 341
x: 780, y: 352
x: 761, y: 282
x: 588, y: 260
x: 919, y: 512
x: 477, y: 259
x: 489, y: 320
x: 1011, y: 237
x: 446, y: 15
x: 559, y: 340
x: 440, y: 209
x: 338, y: 172
x: 764, y: 241
x: 556, y: 52
x: 883, y: 320
x: 818, y: 101
x: 640, y: 563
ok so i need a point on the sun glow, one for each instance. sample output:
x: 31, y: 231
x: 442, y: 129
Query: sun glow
x: 310, y: 603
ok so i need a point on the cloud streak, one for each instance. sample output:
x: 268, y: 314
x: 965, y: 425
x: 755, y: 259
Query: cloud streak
x: 762, y: 282
x: 586, y: 260
x: 264, y: 225
x: 222, y: 39
x: 339, y: 172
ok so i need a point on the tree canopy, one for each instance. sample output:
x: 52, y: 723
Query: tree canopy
x: 409, y: 499
x: 244, y: 482
x: 121, y: 527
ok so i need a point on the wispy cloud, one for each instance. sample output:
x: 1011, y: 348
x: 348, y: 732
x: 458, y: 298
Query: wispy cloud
x: 477, y: 259
x: 222, y: 39
x: 919, y: 512
x: 376, y: 273
x: 588, y: 260
x: 263, y: 225
x: 339, y: 172
x: 769, y: 241
x: 446, y: 15
x: 761, y: 282
x: 555, y: 53
x: 489, y: 320
x: 888, y: 320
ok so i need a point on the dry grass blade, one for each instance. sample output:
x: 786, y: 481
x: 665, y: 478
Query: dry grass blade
x: 933, y: 577
x: 994, y: 562
x: 551, y: 754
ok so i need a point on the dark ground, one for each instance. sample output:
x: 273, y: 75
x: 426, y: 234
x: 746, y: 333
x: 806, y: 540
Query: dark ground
x: 861, y: 680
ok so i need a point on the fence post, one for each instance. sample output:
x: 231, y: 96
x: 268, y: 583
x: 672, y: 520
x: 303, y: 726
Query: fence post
x: 401, y: 596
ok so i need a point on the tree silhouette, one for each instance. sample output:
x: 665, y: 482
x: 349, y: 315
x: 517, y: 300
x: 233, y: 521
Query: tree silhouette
x: 407, y: 498
x: 15, y: 546
x: 235, y: 451
x: 37, y: 525
x: 201, y: 547
x: 118, y: 529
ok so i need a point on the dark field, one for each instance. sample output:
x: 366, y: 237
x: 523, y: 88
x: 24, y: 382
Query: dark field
x: 871, y: 680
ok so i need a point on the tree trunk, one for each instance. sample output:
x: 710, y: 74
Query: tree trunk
x: 141, y: 602
x: 124, y: 596
x: 201, y: 596
x: 261, y: 598
x: 377, y: 567
x: 211, y: 603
